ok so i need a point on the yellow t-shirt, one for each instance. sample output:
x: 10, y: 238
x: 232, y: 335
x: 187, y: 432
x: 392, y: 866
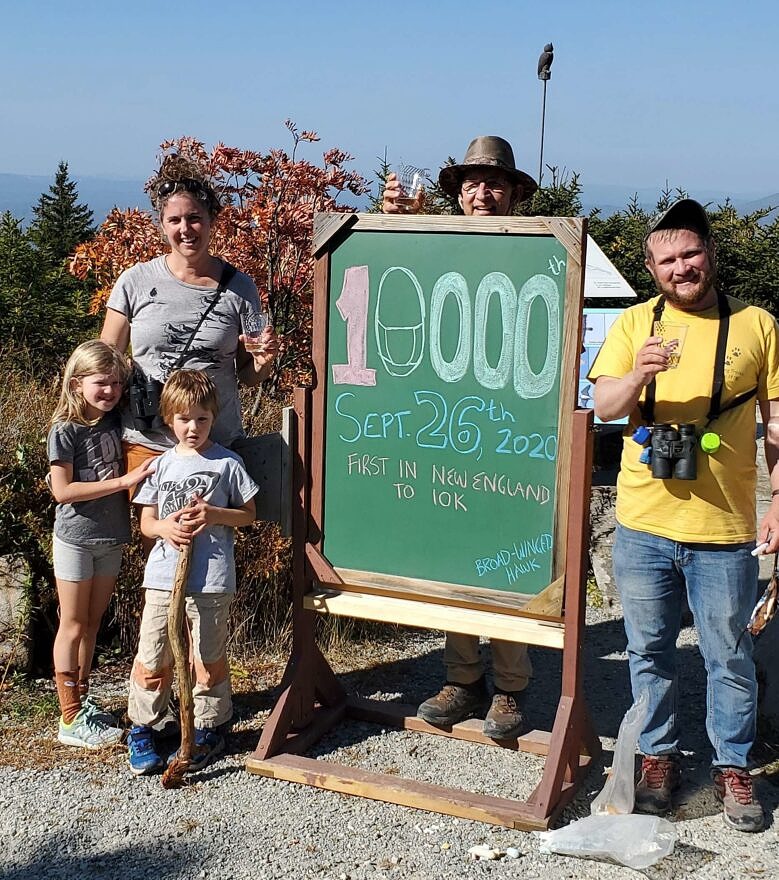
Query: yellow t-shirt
x: 719, y: 506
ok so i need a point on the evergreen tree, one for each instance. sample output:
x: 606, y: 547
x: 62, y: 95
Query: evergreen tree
x: 60, y: 222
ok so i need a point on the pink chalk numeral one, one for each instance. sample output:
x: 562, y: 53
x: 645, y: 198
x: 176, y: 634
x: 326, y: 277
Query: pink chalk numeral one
x: 352, y: 305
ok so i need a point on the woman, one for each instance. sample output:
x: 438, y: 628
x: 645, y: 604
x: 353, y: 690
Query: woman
x: 174, y: 314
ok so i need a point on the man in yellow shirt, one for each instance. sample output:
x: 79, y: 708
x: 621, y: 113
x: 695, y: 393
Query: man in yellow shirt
x: 686, y: 498
x: 486, y: 184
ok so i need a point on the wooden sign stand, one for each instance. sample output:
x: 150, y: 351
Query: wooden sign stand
x: 312, y: 700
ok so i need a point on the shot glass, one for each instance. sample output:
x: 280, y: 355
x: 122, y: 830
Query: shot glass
x: 672, y: 336
x: 252, y: 324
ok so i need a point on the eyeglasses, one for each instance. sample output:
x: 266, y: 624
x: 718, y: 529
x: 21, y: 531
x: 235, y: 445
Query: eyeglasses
x: 186, y: 183
x: 494, y: 185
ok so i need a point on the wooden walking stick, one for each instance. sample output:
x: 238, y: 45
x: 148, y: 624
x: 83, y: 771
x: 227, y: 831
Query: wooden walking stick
x: 173, y: 777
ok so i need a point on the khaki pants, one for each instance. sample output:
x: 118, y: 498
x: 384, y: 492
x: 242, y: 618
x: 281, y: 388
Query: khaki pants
x: 465, y: 664
x: 152, y: 674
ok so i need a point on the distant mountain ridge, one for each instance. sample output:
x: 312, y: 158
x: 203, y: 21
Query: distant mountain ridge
x: 19, y: 192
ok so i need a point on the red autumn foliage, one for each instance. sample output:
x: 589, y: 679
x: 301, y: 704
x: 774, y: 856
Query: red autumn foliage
x: 265, y: 230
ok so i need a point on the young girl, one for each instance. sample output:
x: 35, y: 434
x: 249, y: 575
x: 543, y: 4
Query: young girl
x: 92, y: 523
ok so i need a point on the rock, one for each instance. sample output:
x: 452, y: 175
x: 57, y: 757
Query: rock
x: 513, y: 853
x: 15, y: 629
x: 484, y: 853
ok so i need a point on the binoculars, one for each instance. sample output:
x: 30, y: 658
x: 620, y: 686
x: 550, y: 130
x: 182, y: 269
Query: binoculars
x: 145, y: 401
x: 673, y: 452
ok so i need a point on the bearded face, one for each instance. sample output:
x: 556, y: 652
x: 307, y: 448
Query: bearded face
x: 683, y: 268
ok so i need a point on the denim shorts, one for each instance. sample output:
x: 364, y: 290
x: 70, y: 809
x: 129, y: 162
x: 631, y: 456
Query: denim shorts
x: 75, y: 562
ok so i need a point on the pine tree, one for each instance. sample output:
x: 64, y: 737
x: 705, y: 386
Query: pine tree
x: 60, y: 223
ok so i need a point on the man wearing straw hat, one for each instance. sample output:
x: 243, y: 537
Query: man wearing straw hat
x: 686, y: 499
x: 486, y: 184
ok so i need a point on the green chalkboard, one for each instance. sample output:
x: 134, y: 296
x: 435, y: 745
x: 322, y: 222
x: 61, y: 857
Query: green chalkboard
x: 443, y: 357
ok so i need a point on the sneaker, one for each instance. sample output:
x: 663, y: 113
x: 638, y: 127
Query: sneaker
x: 140, y: 748
x: 734, y: 789
x: 208, y: 744
x: 99, y: 714
x: 504, y: 719
x: 86, y: 733
x: 453, y: 703
x: 659, y: 778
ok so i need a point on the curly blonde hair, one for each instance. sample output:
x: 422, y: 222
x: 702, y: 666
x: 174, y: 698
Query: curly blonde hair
x: 178, y: 174
x: 94, y: 356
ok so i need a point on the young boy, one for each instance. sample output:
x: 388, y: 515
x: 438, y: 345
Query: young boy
x: 199, y: 492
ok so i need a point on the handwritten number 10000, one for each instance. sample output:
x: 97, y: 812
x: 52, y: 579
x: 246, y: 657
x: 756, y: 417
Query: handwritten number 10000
x: 515, y: 308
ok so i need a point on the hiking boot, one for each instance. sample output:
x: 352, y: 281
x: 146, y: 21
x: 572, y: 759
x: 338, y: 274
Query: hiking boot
x: 505, y: 719
x: 734, y: 789
x: 98, y: 714
x: 208, y: 744
x: 453, y: 703
x: 86, y: 733
x: 659, y: 778
x: 140, y: 748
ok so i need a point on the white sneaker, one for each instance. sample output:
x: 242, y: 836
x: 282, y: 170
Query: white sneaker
x: 102, y: 716
x: 87, y: 733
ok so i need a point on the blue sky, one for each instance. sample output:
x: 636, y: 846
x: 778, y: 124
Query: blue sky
x: 640, y: 93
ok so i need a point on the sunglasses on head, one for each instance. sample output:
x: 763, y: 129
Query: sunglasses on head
x: 186, y: 183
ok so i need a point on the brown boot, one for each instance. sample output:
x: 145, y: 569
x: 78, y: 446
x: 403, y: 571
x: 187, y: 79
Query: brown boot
x: 505, y: 719
x: 453, y: 703
x: 659, y: 779
x: 734, y: 789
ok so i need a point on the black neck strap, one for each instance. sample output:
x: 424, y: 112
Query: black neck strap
x: 718, y: 380
x: 227, y: 276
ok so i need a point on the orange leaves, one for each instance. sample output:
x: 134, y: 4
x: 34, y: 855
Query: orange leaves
x: 265, y: 230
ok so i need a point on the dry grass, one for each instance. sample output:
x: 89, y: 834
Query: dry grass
x: 29, y: 711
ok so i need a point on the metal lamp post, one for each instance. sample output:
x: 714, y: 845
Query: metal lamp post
x: 544, y: 74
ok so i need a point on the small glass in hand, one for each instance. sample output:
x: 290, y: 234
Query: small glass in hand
x: 412, y: 182
x: 253, y: 323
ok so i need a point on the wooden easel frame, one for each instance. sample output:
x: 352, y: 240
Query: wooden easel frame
x: 312, y: 700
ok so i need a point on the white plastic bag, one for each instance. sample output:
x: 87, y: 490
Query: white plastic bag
x: 618, y: 794
x: 636, y: 841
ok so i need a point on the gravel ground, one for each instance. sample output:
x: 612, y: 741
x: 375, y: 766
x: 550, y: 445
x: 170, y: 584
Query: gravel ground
x: 83, y: 815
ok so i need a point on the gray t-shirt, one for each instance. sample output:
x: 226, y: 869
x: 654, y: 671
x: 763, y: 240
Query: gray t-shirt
x: 163, y: 312
x: 218, y: 476
x: 95, y: 451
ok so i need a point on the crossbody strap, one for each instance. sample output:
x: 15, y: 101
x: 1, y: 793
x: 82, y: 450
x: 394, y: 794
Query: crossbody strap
x: 227, y: 276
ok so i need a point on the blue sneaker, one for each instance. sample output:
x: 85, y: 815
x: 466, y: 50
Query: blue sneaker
x: 140, y: 747
x: 208, y: 744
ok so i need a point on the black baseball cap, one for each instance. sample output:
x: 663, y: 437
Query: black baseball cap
x: 681, y: 214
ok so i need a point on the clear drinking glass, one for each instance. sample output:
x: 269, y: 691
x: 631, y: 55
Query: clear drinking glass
x: 253, y: 323
x: 672, y: 336
x: 412, y: 182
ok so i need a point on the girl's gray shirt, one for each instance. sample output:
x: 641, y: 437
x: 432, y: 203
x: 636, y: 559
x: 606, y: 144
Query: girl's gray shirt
x: 218, y: 477
x: 163, y: 312
x: 95, y: 452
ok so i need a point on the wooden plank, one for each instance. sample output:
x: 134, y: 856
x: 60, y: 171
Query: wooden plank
x: 316, y: 414
x: 403, y: 715
x: 424, y: 615
x: 569, y: 378
x: 327, y: 225
x: 549, y: 601
x: 405, y: 792
x: 568, y: 231
x: 436, y: 592
x: 452, y: 223
x: 321, y: 568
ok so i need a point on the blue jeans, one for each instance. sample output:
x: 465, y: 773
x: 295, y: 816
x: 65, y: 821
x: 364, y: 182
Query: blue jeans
x: 652, y: 574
